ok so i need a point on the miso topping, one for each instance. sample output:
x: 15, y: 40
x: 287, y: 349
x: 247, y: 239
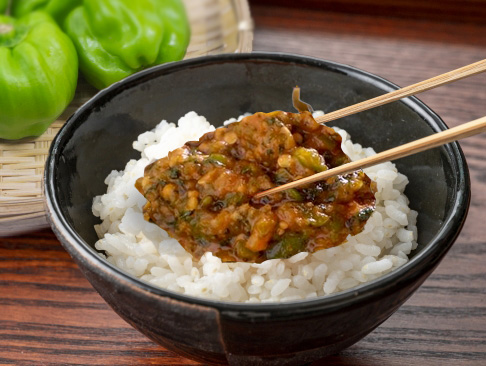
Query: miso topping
x: 202, y: 194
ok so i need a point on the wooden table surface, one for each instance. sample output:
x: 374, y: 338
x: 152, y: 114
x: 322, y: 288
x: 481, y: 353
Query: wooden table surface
x: 49, y: 314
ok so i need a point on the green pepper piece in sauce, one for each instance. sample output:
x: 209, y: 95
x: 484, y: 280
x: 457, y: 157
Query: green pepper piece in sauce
x: 294, y: 194
x: 287, y: 246
x: 310, y: 159
x: 218, y: 159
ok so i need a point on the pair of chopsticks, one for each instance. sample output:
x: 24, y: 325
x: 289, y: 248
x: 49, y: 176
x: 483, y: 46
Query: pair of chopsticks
x: 465, y: 130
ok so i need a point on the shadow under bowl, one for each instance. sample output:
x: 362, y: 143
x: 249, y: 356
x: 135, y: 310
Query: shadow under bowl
x: 98, y: 139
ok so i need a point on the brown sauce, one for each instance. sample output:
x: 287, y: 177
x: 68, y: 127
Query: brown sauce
x: 201, y: 193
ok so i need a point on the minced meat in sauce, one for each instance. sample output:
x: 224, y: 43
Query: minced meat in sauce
x: 202, y: 193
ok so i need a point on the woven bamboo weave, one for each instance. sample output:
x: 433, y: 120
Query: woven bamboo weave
x: 217, y: 26
x: 22, y: 165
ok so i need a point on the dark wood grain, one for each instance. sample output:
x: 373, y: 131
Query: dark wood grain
x: 473, y: 11
x: 50, y: 315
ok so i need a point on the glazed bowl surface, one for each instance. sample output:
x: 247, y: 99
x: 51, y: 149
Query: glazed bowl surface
x: 98, y: 139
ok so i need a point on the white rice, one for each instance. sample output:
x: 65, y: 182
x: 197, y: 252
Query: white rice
x: 147, y: 252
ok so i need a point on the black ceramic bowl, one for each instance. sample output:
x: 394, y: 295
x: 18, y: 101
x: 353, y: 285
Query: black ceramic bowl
x: 98, y: 138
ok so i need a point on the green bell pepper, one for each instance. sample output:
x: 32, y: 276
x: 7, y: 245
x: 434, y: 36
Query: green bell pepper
x: 58, y: 9
x: 3, y: 6
x: 115, y: 38
x: 38, y: 74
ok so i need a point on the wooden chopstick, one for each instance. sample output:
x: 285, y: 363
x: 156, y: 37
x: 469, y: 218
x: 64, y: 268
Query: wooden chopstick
x: 422, y: 86
x: 426, y: 143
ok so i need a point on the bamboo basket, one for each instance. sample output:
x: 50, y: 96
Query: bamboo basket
x: 217, y: 26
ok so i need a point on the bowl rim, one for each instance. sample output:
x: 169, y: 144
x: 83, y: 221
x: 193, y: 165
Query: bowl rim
x: 424, y: 261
